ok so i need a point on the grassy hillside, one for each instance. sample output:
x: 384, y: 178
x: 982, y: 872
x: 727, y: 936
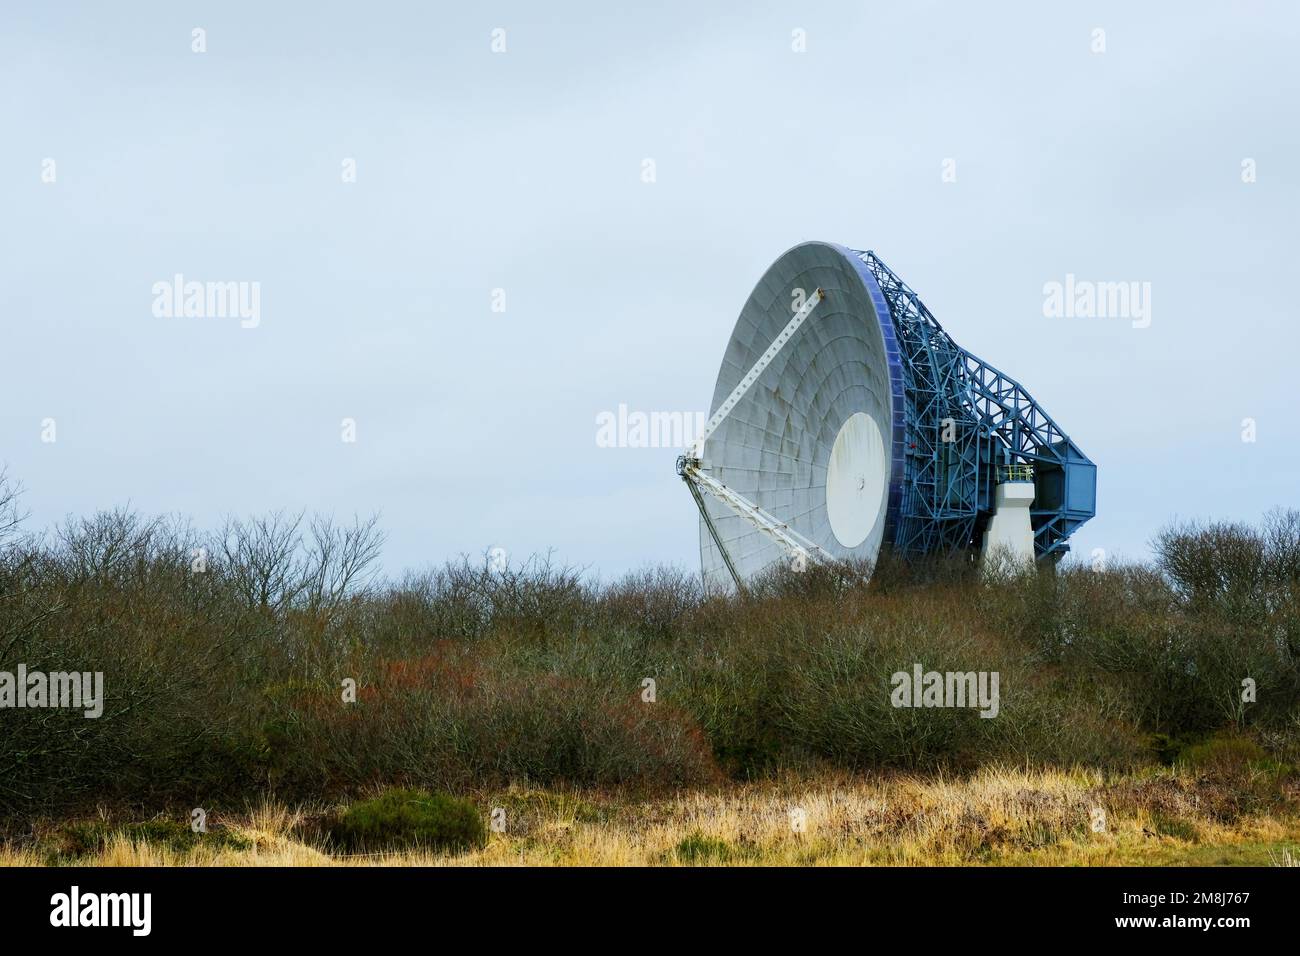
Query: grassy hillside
x: 997, y: 816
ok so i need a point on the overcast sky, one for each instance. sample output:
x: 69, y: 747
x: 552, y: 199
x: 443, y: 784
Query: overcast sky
x: 524, y: 171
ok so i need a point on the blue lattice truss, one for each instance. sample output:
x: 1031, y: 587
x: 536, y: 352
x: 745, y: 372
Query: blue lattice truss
x: 958, y: 424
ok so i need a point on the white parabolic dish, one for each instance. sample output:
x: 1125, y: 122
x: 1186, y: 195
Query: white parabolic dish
x: 809, y: 442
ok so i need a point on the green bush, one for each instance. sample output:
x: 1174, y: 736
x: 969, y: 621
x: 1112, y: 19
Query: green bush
x: 696, y: 848
x: 409, y: 819
x: 1226, y: 755
x: 1173, y: 826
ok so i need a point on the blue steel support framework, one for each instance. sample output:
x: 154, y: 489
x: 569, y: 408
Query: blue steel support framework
x: 961, y: 421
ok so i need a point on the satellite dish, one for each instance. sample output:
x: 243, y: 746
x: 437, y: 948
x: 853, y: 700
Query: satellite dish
x: 845, y: 421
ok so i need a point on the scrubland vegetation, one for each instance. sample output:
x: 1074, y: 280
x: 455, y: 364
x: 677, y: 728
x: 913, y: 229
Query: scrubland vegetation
x: 228, y: 659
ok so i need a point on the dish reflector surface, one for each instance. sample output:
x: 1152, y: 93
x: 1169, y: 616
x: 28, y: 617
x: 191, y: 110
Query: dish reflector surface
x: 812, y: 442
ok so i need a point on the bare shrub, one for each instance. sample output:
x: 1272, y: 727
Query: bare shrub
x: 657, y: 603
x: 263, y: 558
x: 12, y: 515
x: 340, y: 562
x: 224, y: 676
x: 1218, y: 565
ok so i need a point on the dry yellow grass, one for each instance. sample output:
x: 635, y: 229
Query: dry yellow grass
x: 999, y: 816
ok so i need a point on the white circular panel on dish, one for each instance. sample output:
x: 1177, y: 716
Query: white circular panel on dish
x: 855, y: 479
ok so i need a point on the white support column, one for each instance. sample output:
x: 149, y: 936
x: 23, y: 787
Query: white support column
x: 1010, y: 534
